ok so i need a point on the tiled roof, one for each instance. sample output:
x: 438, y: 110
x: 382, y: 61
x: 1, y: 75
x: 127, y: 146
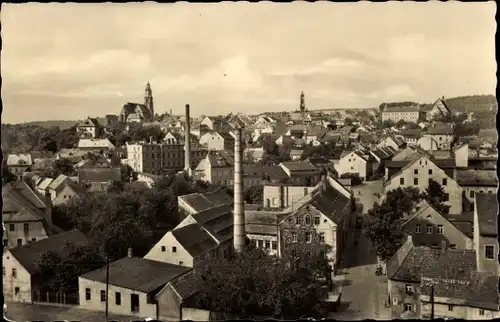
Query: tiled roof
x: 20, y: 188
x: 445, y: 163
x: 136, y: 108
x: 99, y: 175
x: 19, y: 159
x: 28, y: 254
x: 220, y: 159
x: 399, y: 141
x: 218, y: 221
x: 42, y: 164
x: 269, y: 172
x: 45, y: 183
x: 194, y: 239
x: 479, y: 289
x: 95, y: 144
x: 187, y: 284
x: 401, y: 109
x: 331, y: 203
x: 477, y: 178
x: 261, y: 222
x: 57, y: 182
x: 89, y: 122
x: 299, y: 166
x: 203, y: 201
x: 487, y: 212
x: 226, y: 136
x: 411, y: 133
x: 138, y: 274
x: 410, y: 262
x: 439, y: 130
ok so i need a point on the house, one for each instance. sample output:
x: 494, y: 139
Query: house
x: 296, y: 154
x: 324, y: 215
x: 57, y: 185
x: 89, y: 128
x: 198, y: 237
x: 89, y: 176
x: 416, y: 172
x: 20, y: 264
x: 407, y: 114
x: 19, y: 163
x: 43, y: 185
x: 439, y: 110
x: 439, y: 137
x: 379, y: 157
x: 26, y: 214
x: 261, y: 228
x: 97, y: 145
x: 392, y: 141
x: 428, y: 227
x: 73, y: 155
x: 214, y: 141
x: 411, y: 136
x: 486, y: 232
x: 264, y: 122
x: 253, y: 153
x: 315, y: 133
x: 197, y: 202
x: 216, y: 167
x: 133, y: 284
x: 280, y: 196
x: 460, y: 290
x: 355, y: 162
x: 297, y: 131
x: 301, y: 172
x: 474, y: 182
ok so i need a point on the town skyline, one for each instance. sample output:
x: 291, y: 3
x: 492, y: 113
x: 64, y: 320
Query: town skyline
x: 53, y: 62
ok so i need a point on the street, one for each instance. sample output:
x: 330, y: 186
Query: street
x: 21, y: 312
x: 366, y: 193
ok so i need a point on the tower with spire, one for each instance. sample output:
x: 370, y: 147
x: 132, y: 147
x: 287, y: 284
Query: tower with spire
x: 148, y: 100
x: 302, y: 105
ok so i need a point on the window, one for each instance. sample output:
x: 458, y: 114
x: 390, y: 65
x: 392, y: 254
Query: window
x: 415, y: 171
x: 181, y: 263
x: 453, y: 246
x: 481, y: 312
x: 316, y: 220
x: 274, y: 245
x: 408, y: 288
x: 308, y: 220
x: 174, y: 249
x: 275, y: 202
x: 472, y: 194
x: 430, y: 171
x: 33, y: 239
x: 445, y: 182
x: 12, y: 227
x: 308, y: 237
x: 19, y: 242
x: 26, y: 227
x: 415, y: 181
x: 408, y: 307
x: 163, y: 248
x: 440, y: 229
x: 118, y: 298
x: 401, y: 181
x: 446, y: 197
x: 134, y: 302
x: 322, y: 237
x: 450, y: 307
x: 429, y: 229
x: 267, y: 244
x: 16, y: 290
x: 418, y: 228
x: 5, y: 242
x: 87, y: 294
x: 294, y: 237
x: 298, y: 220
x: 488, y: 251
x: 103, y: 296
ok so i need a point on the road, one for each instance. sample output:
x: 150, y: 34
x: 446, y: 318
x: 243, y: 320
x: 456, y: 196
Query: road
x: 366, y: 193
x: 363, y: 293
x: 21, y: 312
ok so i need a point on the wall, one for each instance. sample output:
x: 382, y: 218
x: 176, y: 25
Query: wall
x: 451, y: 234
x: 484, y: 264
x: 283, y: 196
x: 403, y: 115
x: 222, y: 175
x: 213, y: 141
x: 399, y: 297
x: 64, y: 196
x: 95, y: 304
x: 441, y: 310
x: 352, y: 163
x: 169, y: 304
x: 423, y: 165
x: 462, y: 156
x: 259, y: 242
x: 22, y: 281
x: 168, y: 256
x: 36, y: 230
x: 443, y: 141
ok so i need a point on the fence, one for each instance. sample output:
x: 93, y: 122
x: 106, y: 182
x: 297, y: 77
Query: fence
x: 63, y: 298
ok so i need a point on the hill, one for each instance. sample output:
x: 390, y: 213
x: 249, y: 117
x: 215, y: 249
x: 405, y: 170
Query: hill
x: 48, y: 124
x: 474, y: 103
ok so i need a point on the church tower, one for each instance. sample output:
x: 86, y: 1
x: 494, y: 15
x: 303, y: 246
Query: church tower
x: 148, y: 100
x: 302, y: 105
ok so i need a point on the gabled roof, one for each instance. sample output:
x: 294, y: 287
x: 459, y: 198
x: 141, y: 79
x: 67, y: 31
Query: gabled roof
x: 415, y: 108
x: 218, y: 221
x: 481, y: 178
x: 19, y: 160
x: 187, y: 284
x: 203, y: 201
x: 98, y: 175
x: 299, y: 166
x: 138, y: 274
x: 57, y: 181
x: 487, y: 213
x: 194, y: 239
x: 28, y: 254
x: 45, y: 183
x: 89, y: 122
x: 440, y: 130
x: 220, y: 159
x: 95, y: 144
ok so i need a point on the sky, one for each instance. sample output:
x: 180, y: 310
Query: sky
x: 70, y: 61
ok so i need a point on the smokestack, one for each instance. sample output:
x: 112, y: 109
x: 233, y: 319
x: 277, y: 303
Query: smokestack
x: 48, y: 210
x: 239, y: 213
x: 170, y: 112
x: 187, y: 143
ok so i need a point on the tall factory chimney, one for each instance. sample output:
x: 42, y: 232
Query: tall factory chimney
x: 239, y: 212
x: 187, y: 142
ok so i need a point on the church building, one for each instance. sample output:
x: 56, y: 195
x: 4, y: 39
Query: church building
x: 135, y: 112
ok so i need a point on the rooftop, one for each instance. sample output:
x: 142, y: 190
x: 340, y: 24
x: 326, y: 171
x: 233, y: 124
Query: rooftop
x: 487, y: 212
x: 477, y: 178
x: 194, y: 239
x: 203, y: 201
x: 138, y: 274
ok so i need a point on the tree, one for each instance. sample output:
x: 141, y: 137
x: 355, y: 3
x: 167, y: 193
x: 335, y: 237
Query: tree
x: 253, y: 283
x: 435, y: 195
x: 254, y: 195
x: 60, y: 166
x: 127, y: 173
x: 7, y: 176
x: 382, y: 226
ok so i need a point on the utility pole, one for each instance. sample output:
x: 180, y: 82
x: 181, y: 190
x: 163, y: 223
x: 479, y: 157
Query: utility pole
x: 432, y: 301
x: 107, y: 285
